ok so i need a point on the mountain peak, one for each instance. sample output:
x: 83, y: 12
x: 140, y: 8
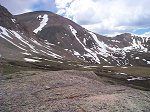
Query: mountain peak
x: 124, y: 35
x: 5, y: 17
x: 9, y: 21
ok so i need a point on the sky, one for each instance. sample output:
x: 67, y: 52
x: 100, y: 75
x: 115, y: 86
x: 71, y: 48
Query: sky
x: 105, y: 17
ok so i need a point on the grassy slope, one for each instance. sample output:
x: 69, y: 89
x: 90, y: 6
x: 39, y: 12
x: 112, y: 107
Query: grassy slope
x: 9, y: 68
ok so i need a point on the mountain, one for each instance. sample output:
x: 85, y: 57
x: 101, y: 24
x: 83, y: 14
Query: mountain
x: 42, y: 35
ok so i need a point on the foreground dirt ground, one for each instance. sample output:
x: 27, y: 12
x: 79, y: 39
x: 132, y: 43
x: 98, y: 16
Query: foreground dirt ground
x: 69, y: 91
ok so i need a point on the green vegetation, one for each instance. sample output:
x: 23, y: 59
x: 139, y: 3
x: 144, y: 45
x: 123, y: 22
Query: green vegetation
x: 11, y: 69
x: 131, y: 70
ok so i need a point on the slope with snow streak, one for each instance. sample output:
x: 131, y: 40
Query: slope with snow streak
x: 109, y: 53
x: 100, y: 50
x: 31, y: 60
x: 105, y: 51
x: 60, y: 38
x: 42, y: 23
x: 137, y: 45
x: 90, y: 53
x: 102, y: 47
x: 28, y: 46
x: 4, y: 34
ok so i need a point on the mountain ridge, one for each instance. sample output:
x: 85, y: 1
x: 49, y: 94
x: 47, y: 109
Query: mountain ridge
x: 43, y: 33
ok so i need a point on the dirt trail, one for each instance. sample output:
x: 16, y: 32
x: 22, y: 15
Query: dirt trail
x: 69, y: 91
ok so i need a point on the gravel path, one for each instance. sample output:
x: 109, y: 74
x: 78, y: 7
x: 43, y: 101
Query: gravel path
x: 69, y: 91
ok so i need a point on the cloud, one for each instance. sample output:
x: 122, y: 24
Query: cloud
x: 146, y: 34
x: 18, y: 6
x: 107, y: 16
x: 63, y: 7
x: 22, y: 6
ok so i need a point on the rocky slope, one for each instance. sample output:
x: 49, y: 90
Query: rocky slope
x: 44, y: 35
x: 69, y: 91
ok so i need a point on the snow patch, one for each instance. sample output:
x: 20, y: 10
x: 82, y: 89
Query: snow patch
x: 13, y: 20
x: 25, y: 53
x: 42, y: 23
x: 137, y: 58
x: 148, y: 62
x: 122, y: 73
x: 31, y: 60
x: 66, y: 49
x: 144, y: 59
x: 84, y: 41
x: 37, y: 58
x: 34, y: 41
x: 115, y: 41
x: 47, y: 43
x: 76, y: 53
x: 124, y: 67
x: 108, y: 66
x: 136, y: 78
x: 4, y: 32
x: 136, y: 45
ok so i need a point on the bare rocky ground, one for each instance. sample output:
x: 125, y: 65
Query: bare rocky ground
x: 69, y: 91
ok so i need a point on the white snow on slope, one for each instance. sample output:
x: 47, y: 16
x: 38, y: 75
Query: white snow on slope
x: 25, y: 53
x: 17, y: 35
x: 24, y: 43
x: 148, y: 62
x: 4, y: 32
x: 122, y: 73
x: 144, y: 59
x: 136, y: 44
x: 115, y: 41
x: 52, y: 54
x: 42, y: 23
x: 13, y: 43
x: 13, y: 20
x: 137, y: 58
x: 105, y: 50
x: 102, y: 46
x: 34, y: 41
x: 76, y: 53
x: 23, y: 40
x: 84, y: 41
x: 4, y: 35
x: 145, y: 38
x: 135, y: 78
x: 99, y: 48
x: 108, y: 66
x: 47, y: 43
x: 90, y: 53
x: 31, y: 60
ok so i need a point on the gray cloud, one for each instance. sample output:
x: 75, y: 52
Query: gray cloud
x: 109, y: 16
x: 101, y: 16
